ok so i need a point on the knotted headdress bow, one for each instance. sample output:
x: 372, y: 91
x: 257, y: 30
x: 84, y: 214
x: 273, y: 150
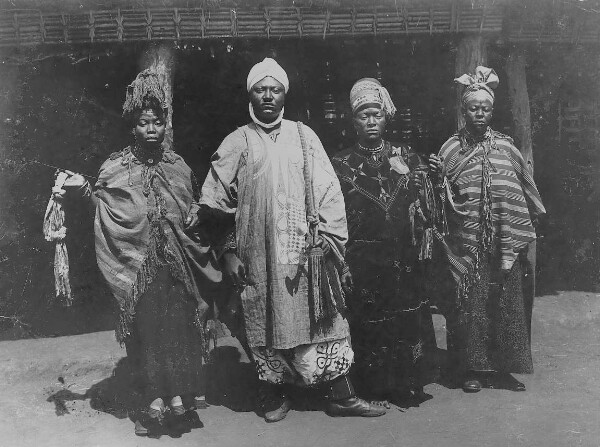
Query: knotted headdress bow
x: 483, y: 81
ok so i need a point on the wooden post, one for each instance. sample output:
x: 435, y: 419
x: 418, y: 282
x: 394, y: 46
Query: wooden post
x: 160, y: 58
x: 519, y: 98
x: 471, y: 52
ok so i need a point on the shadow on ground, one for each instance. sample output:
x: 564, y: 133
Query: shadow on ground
x: 231, y: 383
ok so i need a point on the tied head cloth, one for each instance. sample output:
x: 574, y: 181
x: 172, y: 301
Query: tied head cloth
x: 267, y: 68
x: 481, y: 83
x: 369, y: 91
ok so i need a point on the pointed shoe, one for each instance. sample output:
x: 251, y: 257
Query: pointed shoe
x: 354, y: 406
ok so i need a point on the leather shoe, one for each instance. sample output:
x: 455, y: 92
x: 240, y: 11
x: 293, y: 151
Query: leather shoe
x: 471, y: 386
x: 279, y: 413
x: 354, y: 406
x: 519, y: 386
x: 508, y: 382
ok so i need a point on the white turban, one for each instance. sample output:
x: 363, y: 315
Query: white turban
x: 268, y: 67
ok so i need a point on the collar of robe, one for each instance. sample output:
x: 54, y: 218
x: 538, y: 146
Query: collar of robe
x: 265, y: 125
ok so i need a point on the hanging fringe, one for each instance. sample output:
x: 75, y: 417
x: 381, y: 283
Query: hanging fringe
x: 319, y: 287
x: 55, y: 231
x: 145, y: 275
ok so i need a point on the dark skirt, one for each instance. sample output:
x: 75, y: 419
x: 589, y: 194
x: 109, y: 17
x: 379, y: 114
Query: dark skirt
x: 165, y: 342
x: 390, y: 325
x: 489, y: 329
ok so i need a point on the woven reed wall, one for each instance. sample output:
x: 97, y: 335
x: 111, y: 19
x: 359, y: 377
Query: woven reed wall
x: 584, y: 30
x: 34, y: 27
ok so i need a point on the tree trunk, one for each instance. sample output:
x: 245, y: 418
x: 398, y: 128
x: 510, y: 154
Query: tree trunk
x: 519, y: 98
x: 160, y: 58
x: 471, y: 52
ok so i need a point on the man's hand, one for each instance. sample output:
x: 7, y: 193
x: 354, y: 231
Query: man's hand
x: 192, y: 219
x: 234, y: 268
x: 323, y: 244
x: 347, y: 281
x: 416, y: 177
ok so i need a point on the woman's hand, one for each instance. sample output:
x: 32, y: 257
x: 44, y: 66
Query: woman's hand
x: 73, y: 181
x: 234, y: 268
x: 436, y: 166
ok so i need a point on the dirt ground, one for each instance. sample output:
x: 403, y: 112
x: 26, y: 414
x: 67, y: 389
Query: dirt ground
x: 68, y: 391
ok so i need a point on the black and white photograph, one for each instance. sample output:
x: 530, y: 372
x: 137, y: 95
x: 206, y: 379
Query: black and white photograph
x: 261, y: 223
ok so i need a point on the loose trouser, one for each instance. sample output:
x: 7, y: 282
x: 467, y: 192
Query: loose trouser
x: 304, y: 365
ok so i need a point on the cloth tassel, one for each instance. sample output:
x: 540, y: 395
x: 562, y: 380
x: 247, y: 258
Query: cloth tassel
x: 55, y: 231
x: 319, y: 288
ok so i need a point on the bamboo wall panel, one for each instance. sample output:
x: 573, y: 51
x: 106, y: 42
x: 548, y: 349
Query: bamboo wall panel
x: 33, y: 27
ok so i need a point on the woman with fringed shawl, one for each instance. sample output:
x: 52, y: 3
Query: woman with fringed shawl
x: 491, y: 204
x: 146, y: 205
x: 384, y: 186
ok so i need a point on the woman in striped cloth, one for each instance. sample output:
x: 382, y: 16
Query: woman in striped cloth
x: 491, y: 204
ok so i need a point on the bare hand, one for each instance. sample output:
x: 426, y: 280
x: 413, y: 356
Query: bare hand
x: 323, y: 244
x: 234, y: 268
x: 72, y: 181
x: 347, y: 282
x: 191, y: 220
x: 436, y: 165
x: 416, y: 177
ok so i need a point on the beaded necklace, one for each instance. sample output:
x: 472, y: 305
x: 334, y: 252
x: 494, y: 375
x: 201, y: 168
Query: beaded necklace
x: 373, y: 155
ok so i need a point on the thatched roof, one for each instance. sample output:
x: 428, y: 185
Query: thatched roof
x: 35, y: 22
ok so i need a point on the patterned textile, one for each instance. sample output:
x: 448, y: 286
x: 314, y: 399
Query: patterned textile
x: 490, y: 328
x: 139, y: 227
x: 391, y: 318
x: 304, y: 365
x: 261, y: 183
x: 492, y: 200
x: 370, y: 91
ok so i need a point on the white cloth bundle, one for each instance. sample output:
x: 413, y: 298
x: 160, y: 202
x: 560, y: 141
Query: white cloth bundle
x: 54, y: 230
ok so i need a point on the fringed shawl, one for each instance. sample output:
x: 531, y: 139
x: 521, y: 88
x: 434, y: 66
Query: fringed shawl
x: 139, y: 228
x: 492, y: 200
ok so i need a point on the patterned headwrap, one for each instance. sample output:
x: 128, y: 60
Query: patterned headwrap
x: 482, y: 82
x: 268, y: 67
x: 370, y: 91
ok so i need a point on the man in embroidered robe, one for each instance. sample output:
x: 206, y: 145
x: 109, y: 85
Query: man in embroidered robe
x: 491, y: 203
x: 257, y: 185
x: 385, y: 188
